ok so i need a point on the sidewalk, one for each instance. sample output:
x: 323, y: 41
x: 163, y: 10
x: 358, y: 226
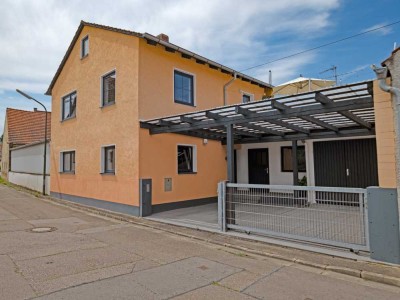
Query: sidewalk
x: 93, y: 254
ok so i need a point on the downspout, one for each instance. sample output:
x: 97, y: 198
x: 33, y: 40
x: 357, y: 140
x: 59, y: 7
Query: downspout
x: 226, y: 85
x: 381, y: 74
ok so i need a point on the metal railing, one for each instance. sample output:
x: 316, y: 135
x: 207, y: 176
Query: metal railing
x: 324, y: 215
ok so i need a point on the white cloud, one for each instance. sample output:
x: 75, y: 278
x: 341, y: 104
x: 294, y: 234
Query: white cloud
x: 36, y: 34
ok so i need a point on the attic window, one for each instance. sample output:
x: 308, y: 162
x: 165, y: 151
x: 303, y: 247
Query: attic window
x: 85, y: 46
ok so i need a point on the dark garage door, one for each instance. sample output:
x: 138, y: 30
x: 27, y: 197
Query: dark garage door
x: 349, y: 163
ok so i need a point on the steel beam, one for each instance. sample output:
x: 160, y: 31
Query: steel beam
x: 318, y: 108
x: 230, y: 153
x: 326, y: 100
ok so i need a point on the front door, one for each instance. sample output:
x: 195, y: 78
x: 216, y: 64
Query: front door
x: 258, y: 163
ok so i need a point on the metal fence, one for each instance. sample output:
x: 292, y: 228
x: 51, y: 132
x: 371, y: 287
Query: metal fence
x: 324, y: 215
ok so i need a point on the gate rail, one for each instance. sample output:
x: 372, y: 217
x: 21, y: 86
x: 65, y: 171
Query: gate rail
x: 324, y: 215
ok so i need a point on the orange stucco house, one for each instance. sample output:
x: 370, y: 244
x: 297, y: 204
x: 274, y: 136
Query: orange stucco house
x: 109, y: 80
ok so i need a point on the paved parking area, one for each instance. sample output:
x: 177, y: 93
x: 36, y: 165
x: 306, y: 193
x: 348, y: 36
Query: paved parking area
x: 86, y: 256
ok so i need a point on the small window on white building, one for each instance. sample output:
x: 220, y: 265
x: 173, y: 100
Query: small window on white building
x: 67, y: 162
x: 187, y: 159
x: 85, y: 46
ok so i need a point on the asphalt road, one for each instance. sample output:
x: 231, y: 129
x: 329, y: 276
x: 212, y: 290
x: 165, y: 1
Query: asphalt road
x: 86, y: 256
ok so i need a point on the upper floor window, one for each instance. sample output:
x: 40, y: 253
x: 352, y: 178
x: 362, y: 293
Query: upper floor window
x: 183, y: 88
x: 69, y: 106
x: 67, y: 162
x: 108, y: 88
x: 246, y: 98
x: 85, y: 46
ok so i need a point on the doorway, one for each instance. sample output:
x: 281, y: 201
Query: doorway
x: 258, y: 163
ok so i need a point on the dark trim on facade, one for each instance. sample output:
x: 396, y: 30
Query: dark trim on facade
x: 28, y: 173
x: 182, y: 204
x: 112, y: 206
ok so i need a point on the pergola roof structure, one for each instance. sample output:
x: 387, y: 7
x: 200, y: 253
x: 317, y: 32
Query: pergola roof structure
x: 332, y: 112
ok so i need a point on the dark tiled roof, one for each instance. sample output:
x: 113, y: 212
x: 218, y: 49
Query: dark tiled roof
x: 145, y: 36
x: 26, y: 127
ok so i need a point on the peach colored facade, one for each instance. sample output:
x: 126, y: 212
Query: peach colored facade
x: 385, y: 138
x: 144, y: 89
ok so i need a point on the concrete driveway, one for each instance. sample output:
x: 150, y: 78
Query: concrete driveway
x: 86, y: 256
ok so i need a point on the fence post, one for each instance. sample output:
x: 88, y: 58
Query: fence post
x: 383, y: 219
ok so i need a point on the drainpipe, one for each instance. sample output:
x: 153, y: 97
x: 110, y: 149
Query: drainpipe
x: 226, y: 85
x: 381, y: 74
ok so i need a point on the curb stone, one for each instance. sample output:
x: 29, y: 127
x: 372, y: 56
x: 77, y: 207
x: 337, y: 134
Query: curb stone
x: 366, y: 275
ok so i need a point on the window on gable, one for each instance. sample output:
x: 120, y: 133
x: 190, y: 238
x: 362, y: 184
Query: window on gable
x: 69, y: 106
x: 108, y: 89
x: 186, y: 159
x: 67, y: 162
x: 286, y: 159
x: 183, y: 88
x: 85, y: 46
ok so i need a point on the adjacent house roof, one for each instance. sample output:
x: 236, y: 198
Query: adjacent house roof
x: 154, y: 40
x: 25, y: 127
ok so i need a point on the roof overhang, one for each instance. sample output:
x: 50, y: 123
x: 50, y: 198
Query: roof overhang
x: 329, y: 113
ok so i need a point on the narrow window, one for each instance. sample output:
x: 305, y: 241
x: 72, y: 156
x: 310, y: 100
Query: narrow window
x: 108, y: 92
x: 85, y: 46
x: 186, y: 159
x: 286, y: 159
x: 68, y: 162
x: 69, y: 106
x: 183, y: 88
x: 109, y: 159
x: 246, y: 98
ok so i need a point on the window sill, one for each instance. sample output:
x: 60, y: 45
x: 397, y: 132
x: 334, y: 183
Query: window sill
x: 184, y: 103
x: 83, y: 57
x: 107, y: 173
x: 108, y: 104
x: 67, y: 119
x: 187, y: 173
x: 68, y: 173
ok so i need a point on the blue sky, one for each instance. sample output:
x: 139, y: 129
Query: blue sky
x: 239, y: 34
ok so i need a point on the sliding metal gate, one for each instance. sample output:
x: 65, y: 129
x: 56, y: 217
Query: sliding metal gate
x: 323, y: 215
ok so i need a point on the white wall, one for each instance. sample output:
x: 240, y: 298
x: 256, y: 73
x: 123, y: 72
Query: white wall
x: 30, y: 181
x: 276, y: 176
x: 29, y: 159
x: 27, y: 167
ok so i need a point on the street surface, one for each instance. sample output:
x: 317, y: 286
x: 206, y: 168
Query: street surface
x: 86, y: 256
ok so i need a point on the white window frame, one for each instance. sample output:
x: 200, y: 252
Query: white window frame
x: 243, y: 93
x: 101, y: 87
x: 194, y: 147
x: 61, y: 162
x: 88, y: 39
x: 194, y: 87
x: 62, y: 106
x: 102, y: 160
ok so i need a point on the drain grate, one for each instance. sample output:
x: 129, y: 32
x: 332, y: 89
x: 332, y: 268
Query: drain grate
x: 42, y: 229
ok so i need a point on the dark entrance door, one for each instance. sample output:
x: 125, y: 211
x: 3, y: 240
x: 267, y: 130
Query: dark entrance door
x: 349, y: 163
x: 258, y: 166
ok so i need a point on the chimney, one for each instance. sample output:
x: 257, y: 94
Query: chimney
x: 163, y: 37
x: 35, y: 109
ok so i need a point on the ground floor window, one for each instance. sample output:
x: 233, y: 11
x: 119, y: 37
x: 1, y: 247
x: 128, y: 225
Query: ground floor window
x: 68, y: 162
x: 286, y: 159
x: 186, y: 159
x: 108, y: 159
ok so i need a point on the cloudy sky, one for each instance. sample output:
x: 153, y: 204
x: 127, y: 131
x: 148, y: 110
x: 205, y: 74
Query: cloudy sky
x: 34, y: 35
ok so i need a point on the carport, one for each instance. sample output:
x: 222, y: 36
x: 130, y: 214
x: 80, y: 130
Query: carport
x: 334, y: 216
